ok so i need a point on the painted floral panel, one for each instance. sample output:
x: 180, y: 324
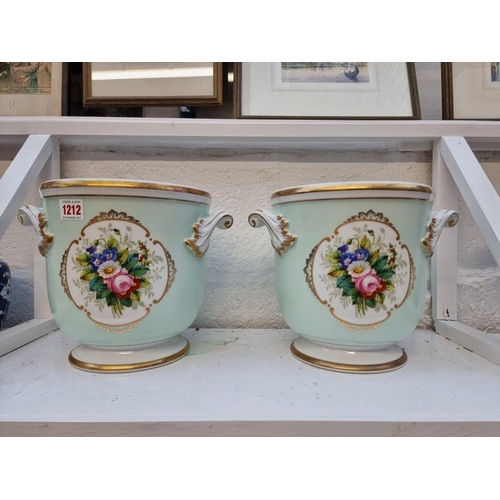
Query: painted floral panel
x: 116, y: 271
x: 362, y: 272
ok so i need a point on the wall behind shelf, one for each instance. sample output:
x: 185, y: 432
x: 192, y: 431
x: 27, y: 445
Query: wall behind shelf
x: 240, y: 286
x: 240, y: 278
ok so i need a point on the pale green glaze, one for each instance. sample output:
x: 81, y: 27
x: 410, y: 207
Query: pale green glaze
x: 169, y: 222
x: 311, y: 221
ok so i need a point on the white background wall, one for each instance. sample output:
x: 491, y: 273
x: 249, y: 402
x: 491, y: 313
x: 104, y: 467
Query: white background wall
x: 240, y: 286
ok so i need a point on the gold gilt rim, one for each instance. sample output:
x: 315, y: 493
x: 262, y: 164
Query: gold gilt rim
x: 127, y: 184
x: 127, y: 367
x: 354, y: 186
x: 342, y: 367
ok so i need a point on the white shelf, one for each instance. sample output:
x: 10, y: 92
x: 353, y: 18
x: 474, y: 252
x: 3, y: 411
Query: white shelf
x: 246, y: 382
x: 286, y: 134
x: 238, y: 382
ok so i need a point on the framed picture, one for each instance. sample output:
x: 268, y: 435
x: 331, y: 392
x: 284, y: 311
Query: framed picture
x: 32, y: 88
x: 326, y: 90
x: 471, y: 90
x: 152, y: 84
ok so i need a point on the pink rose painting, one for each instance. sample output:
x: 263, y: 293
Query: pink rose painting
x: 123, y: 284
x: 367, y: 284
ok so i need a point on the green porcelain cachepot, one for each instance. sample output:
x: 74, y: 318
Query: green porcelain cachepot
x: 351, y: 268
x: 125, y: 266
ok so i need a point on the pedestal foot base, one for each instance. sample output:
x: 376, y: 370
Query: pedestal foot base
x: 349, y: 360
x: 128, y: 358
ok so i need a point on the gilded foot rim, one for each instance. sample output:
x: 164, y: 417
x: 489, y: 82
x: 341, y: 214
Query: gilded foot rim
x: 128, y: 358
x: 349, y: 361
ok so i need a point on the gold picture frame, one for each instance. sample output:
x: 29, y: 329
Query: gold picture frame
x: 340, y: 91
x: 470, y: 90
x: 152, y: 84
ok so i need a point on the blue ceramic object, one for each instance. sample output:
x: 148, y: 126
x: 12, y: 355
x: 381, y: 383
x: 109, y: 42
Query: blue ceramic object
x: 5, y: 290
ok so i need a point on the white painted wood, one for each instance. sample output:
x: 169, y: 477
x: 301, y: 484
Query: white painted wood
x: 52, y: 170
x: 108, y: 132
x: 30, y: 166
x: 484, y: 344
x: 241, y: 133
x: 17, y: 181
x: 476, y: 189
x: 246, y: 382
x: 17, y: 336
x: 444, y: 260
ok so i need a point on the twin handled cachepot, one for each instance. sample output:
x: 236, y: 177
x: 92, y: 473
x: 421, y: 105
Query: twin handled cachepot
x: 351, y: 268
x: 125, y: 267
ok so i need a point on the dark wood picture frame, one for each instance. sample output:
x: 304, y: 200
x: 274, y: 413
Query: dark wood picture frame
x: 447, y: 90
x: 448, y: 96
x: 216, y: 98
x: 413, y: 94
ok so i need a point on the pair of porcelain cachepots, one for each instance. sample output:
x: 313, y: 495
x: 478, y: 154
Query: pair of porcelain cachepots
x: 126, y: 267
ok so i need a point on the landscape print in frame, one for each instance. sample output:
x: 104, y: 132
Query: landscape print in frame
x: 326, y: 90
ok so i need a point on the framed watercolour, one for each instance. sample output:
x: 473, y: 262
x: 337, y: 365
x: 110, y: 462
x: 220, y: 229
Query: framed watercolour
x: 326, y: 90
x: 32, y: 88
x: 471, y: 90
x: 152, y: 84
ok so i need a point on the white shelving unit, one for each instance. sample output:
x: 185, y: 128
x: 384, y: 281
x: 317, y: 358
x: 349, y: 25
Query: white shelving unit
x: 455, y: 169
x: 247, y: 383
